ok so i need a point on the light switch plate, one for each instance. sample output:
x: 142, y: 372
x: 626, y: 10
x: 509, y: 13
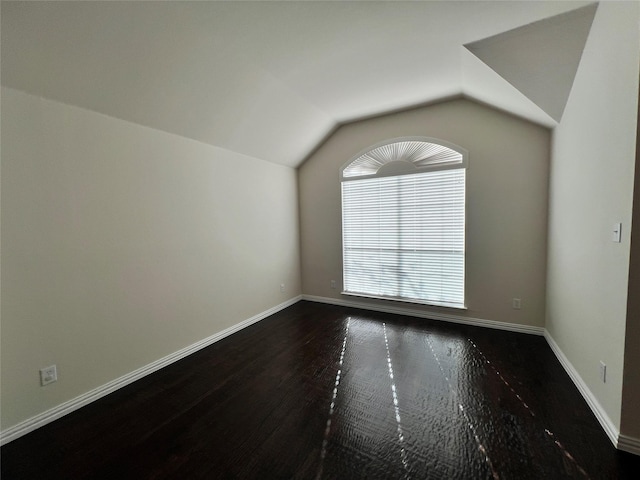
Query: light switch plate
x: 617, y: 232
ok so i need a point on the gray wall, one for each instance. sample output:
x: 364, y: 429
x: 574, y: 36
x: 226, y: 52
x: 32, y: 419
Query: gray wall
x: 630, y: 416
x: 507, y: 189
x: 122, y: 244
x: 592, y: 174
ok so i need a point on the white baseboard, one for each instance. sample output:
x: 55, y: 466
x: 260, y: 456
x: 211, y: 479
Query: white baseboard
x: 65, y: 408
x: 621, y: 442
x: 412, y: 312
x: 610, y: 429
x: 629, y: 444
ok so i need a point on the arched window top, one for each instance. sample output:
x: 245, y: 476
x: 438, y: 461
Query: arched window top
x: 404, y: 155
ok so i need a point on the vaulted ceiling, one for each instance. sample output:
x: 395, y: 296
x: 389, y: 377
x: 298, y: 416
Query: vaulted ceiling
x: 272, y: 79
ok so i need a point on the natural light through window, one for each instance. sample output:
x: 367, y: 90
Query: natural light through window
x: 403, y: 218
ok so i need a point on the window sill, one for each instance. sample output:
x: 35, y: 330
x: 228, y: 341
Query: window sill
x: 457, y: 306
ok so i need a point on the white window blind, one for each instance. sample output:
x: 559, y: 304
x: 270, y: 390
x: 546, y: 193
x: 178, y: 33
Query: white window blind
x: 403, y: 237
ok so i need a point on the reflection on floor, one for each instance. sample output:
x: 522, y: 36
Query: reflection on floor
x: 326, y: 392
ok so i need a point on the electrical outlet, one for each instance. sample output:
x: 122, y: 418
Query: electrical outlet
x: 516, y: 303
x: 48, y: 375
x: 333, y: 284
x: 603, y: 371
x: 282, y: 287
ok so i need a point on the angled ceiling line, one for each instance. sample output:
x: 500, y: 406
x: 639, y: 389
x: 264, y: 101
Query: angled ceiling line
x: 540, y: 59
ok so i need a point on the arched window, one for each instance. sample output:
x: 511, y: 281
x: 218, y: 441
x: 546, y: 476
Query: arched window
x: 403, y: 222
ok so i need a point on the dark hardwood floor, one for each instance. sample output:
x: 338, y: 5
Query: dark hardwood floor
x: 318, y: 391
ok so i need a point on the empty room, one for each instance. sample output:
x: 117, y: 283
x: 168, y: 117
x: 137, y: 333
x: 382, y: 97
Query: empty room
x: 320, y: 239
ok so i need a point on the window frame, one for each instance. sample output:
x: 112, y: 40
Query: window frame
x: 396, y: 168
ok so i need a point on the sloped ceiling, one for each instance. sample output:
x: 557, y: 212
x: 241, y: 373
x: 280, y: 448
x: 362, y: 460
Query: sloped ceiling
x: 270, y: 79
x: 540, y: 59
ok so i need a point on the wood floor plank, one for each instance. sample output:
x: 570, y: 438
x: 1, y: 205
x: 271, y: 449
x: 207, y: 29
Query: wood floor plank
x: 323, y: 392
